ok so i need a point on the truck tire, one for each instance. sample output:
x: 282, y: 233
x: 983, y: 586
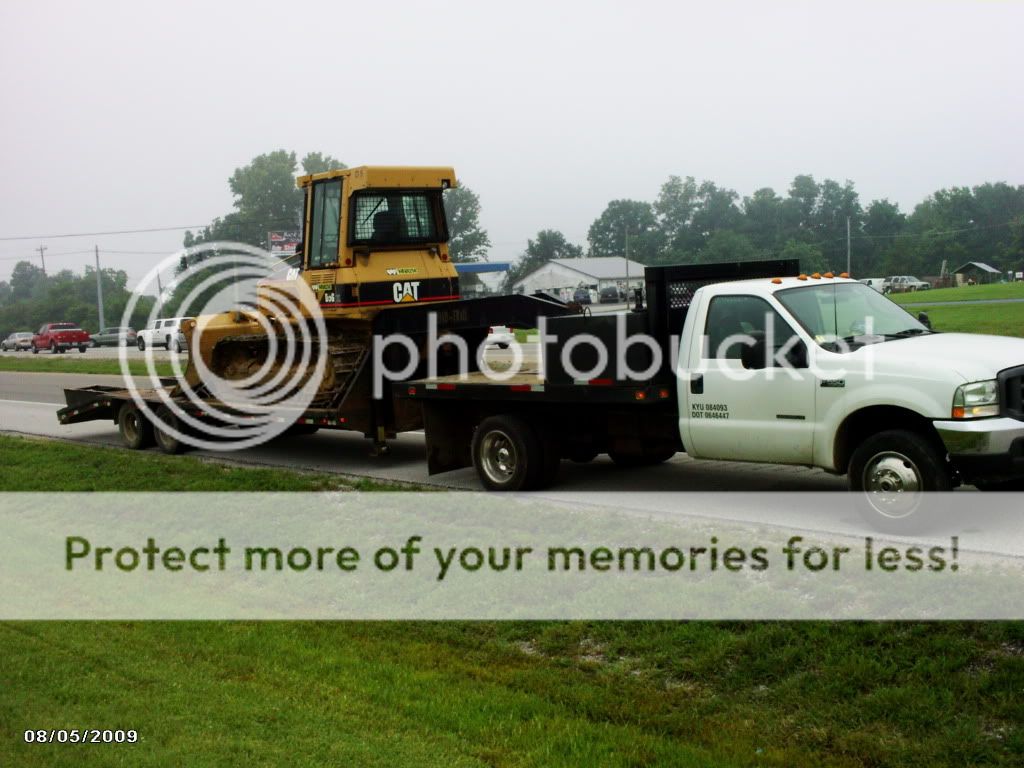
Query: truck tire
x: 645, y: 459
x: 507, y: 454
x: 888, y: 470
x: 54, y: 349
x: 35, y: 349
x: 165, y: 441
x: 141, y: 344
x: 82, y: 348
x: 136, y: 430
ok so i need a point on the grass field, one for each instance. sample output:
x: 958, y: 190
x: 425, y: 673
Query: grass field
x: 964, y: 293
x: 43, y: 465
x: 81, y: 364
x: 999, y: 319
x: 487, y: 694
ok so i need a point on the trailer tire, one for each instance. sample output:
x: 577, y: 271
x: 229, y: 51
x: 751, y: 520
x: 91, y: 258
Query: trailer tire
x: 136, y: 430
x: 897, y: 462
x: 166, y: 442
x: 507, y: 454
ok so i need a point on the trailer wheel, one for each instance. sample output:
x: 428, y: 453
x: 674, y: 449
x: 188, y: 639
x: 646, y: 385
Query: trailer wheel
x: 889, y: 471
x: 136, y: 430
x: 631, y: 460
x: 507, y: 454
x: 165, y: 441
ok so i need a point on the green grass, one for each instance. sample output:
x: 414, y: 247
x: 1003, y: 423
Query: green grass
x: 47, y: 363
x: 520, y: 694
x: 999, y: 319
x: 964, y: 293
x: 42, y: 465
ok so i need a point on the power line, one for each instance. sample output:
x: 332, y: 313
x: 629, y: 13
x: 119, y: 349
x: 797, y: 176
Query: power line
x: 234, y: 225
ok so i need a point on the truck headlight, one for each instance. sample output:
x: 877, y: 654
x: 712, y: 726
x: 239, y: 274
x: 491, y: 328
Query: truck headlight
x: 977, y: 400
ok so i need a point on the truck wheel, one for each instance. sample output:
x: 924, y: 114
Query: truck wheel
x: 646, y: 459
x: 35, y: 349
x: 136, y: 430
x: 165, y: 441
x: 141, y: 344
x: 507, y: 454
x: 889, y: 471
x: 53, y: 348
x: 82, y: 348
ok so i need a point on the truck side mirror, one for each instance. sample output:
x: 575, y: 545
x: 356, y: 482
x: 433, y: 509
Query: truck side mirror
x: 923, y: 319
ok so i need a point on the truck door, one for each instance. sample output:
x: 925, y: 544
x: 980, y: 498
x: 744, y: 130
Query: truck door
x: 737, y: 408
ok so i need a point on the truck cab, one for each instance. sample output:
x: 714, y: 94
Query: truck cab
x: 825, y: 372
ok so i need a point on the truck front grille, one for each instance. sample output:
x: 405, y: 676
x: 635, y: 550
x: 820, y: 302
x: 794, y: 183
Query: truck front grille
x: 1011, y: 390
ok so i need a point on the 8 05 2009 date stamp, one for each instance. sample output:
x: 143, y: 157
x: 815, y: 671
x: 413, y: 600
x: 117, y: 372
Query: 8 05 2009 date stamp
x: 81, y: 736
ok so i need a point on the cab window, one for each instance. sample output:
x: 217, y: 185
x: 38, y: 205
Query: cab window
x: 743, y: 318
x: 397, y: 218
x: 326, y: 223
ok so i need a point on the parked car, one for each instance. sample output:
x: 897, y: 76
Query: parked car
x: 500, y: 336
x: 17, y: 342
x: 60, y: 337
x: 878, y: 283
x: 164, y: 332
x: 610, y: 295
x: 582, y: 295
x: 115, y: 337
x: 905, y: 284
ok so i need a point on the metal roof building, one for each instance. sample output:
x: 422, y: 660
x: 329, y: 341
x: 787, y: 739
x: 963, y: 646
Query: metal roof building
x: 593, y: 272
x: 981, y: 272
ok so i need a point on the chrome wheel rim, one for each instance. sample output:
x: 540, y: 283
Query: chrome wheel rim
x: 893, y: 484
x: 498, y: 456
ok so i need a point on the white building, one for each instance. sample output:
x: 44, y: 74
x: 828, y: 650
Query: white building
x: 560, y: 277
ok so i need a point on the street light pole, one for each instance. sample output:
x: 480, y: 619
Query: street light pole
x: 848, y: 246
x: 99, y: 289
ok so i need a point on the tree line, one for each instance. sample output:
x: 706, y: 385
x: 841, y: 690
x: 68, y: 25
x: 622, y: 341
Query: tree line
x: 690, y: 222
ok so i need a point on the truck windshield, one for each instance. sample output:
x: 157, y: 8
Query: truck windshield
x: 397, y: 218
x: 848, y: 312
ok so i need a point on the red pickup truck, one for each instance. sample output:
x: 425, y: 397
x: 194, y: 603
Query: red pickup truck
x: 60, y: 337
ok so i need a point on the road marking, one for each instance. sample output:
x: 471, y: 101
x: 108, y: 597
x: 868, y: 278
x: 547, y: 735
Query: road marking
x: 28, y: 402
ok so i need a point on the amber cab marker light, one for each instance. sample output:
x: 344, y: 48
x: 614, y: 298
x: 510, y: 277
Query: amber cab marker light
x: 777, y: 280
x: 829, y: 275
x: 844, y: 275
x: 816, y: 276
x: 801, y: 277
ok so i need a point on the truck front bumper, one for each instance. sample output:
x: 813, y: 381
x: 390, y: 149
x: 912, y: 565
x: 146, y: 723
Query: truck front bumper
x: 985, y: 449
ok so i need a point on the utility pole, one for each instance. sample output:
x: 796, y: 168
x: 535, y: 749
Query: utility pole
x: 99, y: 289
x: 42, y: 258
x: 627, y: 263
x: 848, y: 246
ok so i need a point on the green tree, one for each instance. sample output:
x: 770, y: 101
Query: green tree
x: 762, y: 219
x: 467, y: 240
x: 674, y: 209
x: 810, y: 256
x: 549, y: 244
x: 607, y: 235
x: 726, y: 246
x: 315, y: 162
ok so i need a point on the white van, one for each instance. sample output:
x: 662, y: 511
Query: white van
x: 878, y: 283
x: 165, y: 333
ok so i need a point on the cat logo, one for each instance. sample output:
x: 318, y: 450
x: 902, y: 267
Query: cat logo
x: 406, y: 291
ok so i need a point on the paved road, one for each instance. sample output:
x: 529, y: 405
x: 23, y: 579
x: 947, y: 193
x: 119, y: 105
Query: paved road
x: 29, y: 401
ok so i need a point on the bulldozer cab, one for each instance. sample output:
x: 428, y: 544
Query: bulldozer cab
x: 375, y: 237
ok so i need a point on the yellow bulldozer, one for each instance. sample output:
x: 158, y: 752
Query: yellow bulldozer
x: 373, y: 259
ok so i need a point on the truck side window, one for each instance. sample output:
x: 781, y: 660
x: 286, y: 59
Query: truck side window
x: 740, y: 316
x: 326, y: 223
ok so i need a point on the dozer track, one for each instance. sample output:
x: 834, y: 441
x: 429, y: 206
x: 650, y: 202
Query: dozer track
x: 240, y: 357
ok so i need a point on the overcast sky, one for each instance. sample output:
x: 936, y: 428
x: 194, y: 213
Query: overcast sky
x: 133, y: 115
